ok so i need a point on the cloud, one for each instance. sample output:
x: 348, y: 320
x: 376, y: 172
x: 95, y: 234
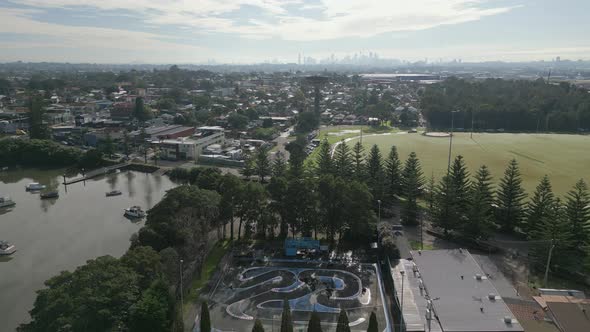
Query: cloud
x: 333, y: 19
x: 19, y: 22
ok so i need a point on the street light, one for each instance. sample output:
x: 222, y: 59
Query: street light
x: 379, y: 203
x: 401, y: 307
x: 451, y: 139
x: 181, y: 297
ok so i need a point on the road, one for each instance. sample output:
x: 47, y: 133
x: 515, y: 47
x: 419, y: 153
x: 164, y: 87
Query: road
x: 281, y: 143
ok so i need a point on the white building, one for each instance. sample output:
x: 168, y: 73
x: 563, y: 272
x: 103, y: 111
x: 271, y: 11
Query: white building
x: 190, y: 148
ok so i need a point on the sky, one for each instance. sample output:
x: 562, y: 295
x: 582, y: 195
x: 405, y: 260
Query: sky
x: 254, y: 31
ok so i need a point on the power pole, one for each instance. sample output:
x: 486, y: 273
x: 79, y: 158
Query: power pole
x: 451, y: 140
x: 548, y: 262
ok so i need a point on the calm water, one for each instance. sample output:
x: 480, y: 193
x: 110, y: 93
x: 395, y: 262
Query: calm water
x: 61, y: 234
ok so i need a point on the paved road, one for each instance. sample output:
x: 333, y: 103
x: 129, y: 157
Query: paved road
x: 282, y: 142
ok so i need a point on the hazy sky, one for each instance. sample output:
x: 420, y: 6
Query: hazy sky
x: 245, y: 31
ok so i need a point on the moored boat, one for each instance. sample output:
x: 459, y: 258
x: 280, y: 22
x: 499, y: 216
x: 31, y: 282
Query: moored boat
x: 33, y: 186
x: 6, y: 248
x: 6, y: 201
x: 50, y: 194
x: 113, y: 193
x: 134, y: 212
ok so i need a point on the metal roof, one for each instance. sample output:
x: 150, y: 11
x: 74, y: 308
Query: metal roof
x: 465, y: 299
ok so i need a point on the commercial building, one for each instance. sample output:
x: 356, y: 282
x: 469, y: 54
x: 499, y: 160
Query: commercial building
x: 190, y: 148
x: 446, y: 290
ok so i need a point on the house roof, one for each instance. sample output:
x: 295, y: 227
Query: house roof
x: 571, y: 317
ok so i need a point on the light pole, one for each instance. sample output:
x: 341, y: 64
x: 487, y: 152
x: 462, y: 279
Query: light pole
x: 401, y: 307
x: 181, y: 297
x: 548, y: 263
x: 451, y: 139
x: 379, y: 203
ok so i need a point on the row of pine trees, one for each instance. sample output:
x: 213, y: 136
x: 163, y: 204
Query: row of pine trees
x: 314, y: 324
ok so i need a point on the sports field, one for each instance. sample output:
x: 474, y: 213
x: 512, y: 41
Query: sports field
x: 247, y: 292
x: 565, y: 158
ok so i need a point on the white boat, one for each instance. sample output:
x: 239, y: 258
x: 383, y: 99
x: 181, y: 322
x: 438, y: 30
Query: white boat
x: 35, y: 186
x: 6, y: 202
x: 134, y: 212
x: 113, y: 193
x: 6, y: 248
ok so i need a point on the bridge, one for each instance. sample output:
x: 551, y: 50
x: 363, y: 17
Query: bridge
x: 95, y: 173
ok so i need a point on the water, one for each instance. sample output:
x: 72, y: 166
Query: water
x: 61, y: 234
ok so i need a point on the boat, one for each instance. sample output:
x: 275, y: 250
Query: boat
x: 134, y: 212
x: 113, y: 193
x: 6, y: 248
x: 49, y: 194
x: 6, y: 202
x: 34, y: 186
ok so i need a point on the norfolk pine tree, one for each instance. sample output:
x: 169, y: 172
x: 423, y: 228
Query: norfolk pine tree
x: 324, y: 164
x: 314, y: 324
x: 257, y: 326
x: 342, y: 322
x: 539, y: 205
x: 578, y: 213
x: 412, y: 182
x: 262, y: 167
x: 509, y: 199
x: 342, y: 161
x: 286, y: 322
x: 479, y: 223
x: 358, y: 152
x: 392, y: 175
x: 373, y: 326
x: 205, y: 323
x: 279, y: 165
x: 375, y: 174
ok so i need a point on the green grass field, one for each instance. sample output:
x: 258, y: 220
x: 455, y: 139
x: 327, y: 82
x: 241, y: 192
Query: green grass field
x: 565, y: 158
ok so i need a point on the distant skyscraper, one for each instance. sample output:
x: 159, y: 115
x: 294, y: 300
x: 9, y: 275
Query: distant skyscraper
x: 299, y: 59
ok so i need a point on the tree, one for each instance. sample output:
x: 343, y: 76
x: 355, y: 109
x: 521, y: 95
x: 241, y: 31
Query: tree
x: 375, y: 174
x: 262, y: 167
x: 140, y: 112
x: 278, y: 189
x: 257, y: 326
x: 107, y: 146
x: 37, y: 129
x: 332, y: 203
x: 578, y: 213
x: 307, y: 121
x: 461, y: 186
x: 279, y: 165
x: 126, y: 149
x: 358, y: 152
x: 286, y: 322
x: 95, y: 297
x: 412, y: 182
x: 153, y: 311
x: 392, y: 175
x: 509, y: 198
x: 324, y: 164
x: 552, y: 230
x: 343, y: 165
x: 479, y: 224
x: 205, y: 322
x: 343, y: 325
x: 539, y: 205
x: 249, y: 167
x: 373, y: 326
x: 314, y: 324
x: 230, y: 188
x: 237, y: 121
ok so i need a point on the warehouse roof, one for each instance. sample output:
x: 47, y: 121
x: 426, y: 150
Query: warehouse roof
x: 464, y: 298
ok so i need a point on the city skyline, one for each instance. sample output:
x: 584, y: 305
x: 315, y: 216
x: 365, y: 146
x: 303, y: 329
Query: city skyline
x: 256, y: 31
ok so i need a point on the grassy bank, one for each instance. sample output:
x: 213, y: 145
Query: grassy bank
x: 211, y: 263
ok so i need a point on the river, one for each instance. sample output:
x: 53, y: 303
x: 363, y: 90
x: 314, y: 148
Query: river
x: 61, y: 234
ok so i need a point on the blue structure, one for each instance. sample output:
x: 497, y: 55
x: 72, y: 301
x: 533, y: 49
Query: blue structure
x: 302, y: 243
